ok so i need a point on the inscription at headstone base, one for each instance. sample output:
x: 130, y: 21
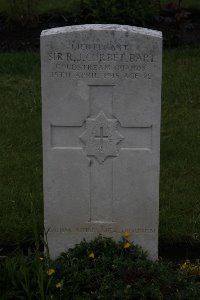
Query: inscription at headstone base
x: 101, y: 90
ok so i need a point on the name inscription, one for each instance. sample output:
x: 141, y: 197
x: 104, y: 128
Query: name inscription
x: 100, y: 61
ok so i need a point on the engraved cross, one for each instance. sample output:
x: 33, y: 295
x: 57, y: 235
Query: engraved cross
x: 101, y: 137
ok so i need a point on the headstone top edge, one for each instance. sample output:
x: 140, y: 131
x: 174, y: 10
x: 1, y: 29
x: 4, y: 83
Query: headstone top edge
x: 74, y: 28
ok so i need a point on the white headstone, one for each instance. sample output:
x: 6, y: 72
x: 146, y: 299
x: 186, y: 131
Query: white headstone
x: 101, y: 91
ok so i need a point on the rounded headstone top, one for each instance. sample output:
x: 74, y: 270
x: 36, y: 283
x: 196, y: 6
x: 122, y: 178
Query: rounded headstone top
x: 97, y: 27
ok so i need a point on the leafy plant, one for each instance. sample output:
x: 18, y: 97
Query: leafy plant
x: 114, y: 11
x: 120, y: 271
x: 24, y: 12
x: 100, y: 269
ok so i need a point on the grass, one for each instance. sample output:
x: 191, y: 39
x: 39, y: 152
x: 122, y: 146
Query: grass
x: 21, y: 206
x: 20, y: 146
x: 180, y: 144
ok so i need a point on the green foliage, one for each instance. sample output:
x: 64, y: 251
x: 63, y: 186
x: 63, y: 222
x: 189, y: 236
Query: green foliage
x: 119, y: 273
x: 114, y: 11
x: 188, y: 4
x: 112, y: 272
x: 24, y: 12
x: 126, y: 11
x: 131, y: 12
x: 23, y: 278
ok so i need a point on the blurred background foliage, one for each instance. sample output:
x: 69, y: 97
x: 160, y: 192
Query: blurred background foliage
x: 133, y: 12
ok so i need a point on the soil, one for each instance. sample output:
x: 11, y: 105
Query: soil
x: 179, y: 28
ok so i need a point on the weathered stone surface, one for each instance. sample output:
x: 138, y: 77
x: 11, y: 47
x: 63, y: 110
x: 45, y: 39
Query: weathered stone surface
x: 101, y: 90
x: 101, y: 137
